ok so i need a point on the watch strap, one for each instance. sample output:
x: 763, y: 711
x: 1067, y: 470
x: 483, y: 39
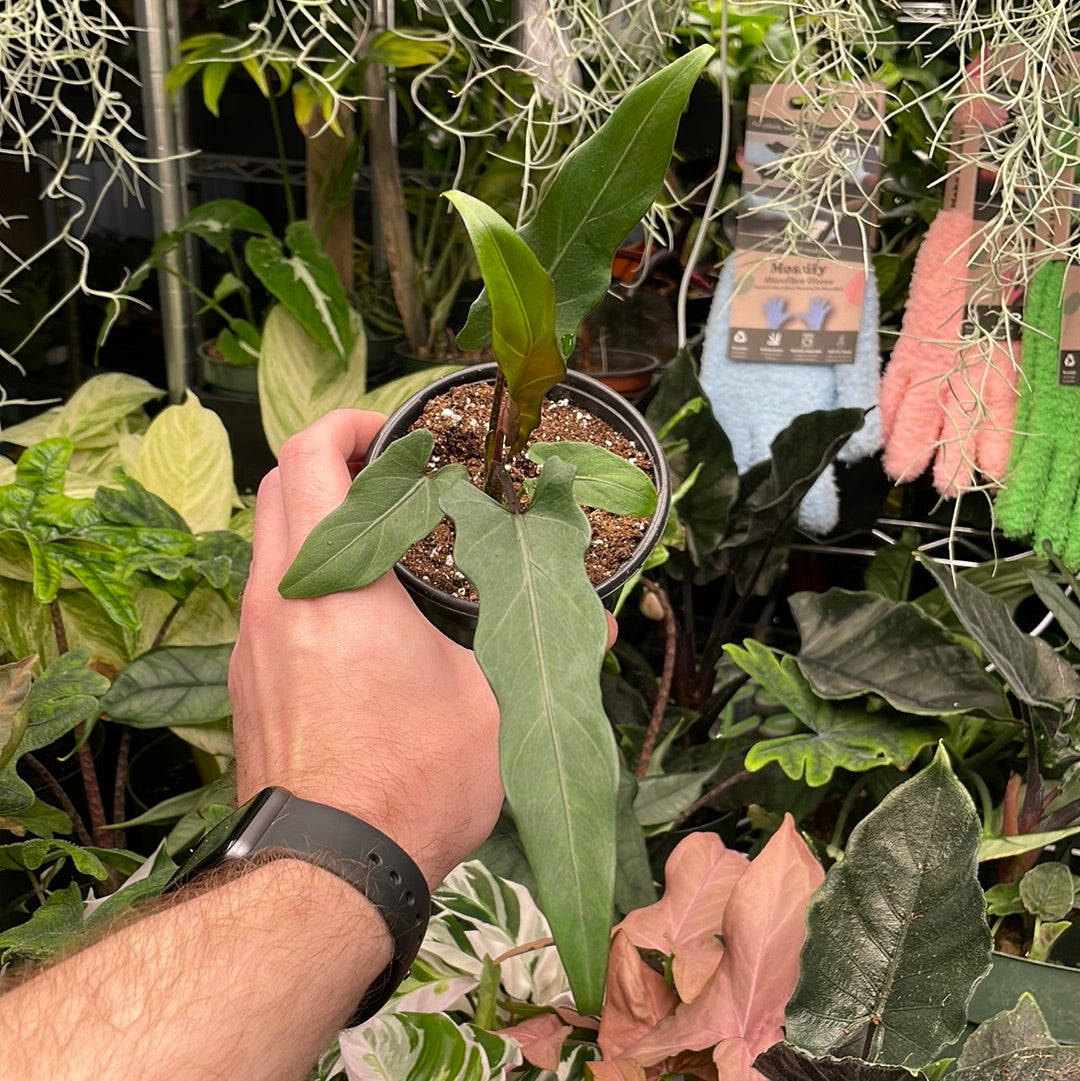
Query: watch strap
x: 278, y: 823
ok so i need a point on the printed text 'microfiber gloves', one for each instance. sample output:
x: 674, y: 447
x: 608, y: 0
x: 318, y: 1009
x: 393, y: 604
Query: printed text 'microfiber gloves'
x: 1041, y: 496
x: 753, y: 401
x: 942, y: 398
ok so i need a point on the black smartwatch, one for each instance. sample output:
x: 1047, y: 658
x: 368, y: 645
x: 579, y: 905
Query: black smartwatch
x: 276, y: 820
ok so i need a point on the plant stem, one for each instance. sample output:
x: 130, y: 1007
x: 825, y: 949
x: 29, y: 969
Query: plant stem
x: 663, y: 690
x: 94, y: 804
x: 61, y: 797
x: 283, y: 160
x: 709, y: 796
x: 119, y: 808
x: 495, y: 447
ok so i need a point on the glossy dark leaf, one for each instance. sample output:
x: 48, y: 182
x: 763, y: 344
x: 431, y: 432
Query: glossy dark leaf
x: 897, y: 936
x: 1034, y: 672
x: 782, y: 1062
x: 860, y: 643
x: 705, y: 508
x: 1066, y: 611
x: 172, y: 686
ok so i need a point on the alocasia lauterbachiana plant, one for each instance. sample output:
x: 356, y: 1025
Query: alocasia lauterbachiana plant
x: 541, y: 632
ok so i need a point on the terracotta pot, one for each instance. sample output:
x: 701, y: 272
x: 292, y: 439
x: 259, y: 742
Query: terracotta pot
x: 456, y: 616
x: 626, y: 372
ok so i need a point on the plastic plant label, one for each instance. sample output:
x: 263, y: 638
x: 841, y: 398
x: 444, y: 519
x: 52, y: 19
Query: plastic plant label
x: 801, y: 247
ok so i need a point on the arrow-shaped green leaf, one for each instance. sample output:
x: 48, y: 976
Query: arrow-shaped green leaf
x: 540, y: 639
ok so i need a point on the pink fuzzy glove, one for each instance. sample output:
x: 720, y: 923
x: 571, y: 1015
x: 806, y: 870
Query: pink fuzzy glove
x: 940, y: 398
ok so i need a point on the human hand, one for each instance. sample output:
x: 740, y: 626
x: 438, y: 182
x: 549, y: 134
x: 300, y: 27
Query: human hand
x: 355, y: 699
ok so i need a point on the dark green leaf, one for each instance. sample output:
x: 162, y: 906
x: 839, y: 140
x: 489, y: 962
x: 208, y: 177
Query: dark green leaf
x: 1011, y: 1030
x: 897, y: 935
x: 540, y: 639
x: 782, y: 1062
x: 599, y: 194
x: 1030, y: 1064
x: 66, y: 695
x: 1047, y: 891
x: 306, y: 283
x: 603, y: 479
x: 705, y: 508
x: 522, y: 299
x: 222, y: 558
x: 889, y: 572
x: 172, y: 686
x: 634, y: 886
x: 859, y: 643
x: 216, y: 221
x: 1066, y: 612
x: 1033, y: 671
x: 392, y: 503
x: 130, y: 504
x: 37, y: 818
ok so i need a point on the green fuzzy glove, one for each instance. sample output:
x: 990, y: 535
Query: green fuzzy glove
x: 1041, y: 496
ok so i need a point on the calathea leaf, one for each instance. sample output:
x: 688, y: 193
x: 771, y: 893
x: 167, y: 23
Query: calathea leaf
x: 522, y: 299
x: 1035, y: 673
x: 858, y: 643
x: 392, y: 503
x: 540, y: 639
x: 172, y: 686
x: 306, y: 282
x: 602, y: 479
x: 407, y: 1044
x: 897, y: 936
x: 840, y: 737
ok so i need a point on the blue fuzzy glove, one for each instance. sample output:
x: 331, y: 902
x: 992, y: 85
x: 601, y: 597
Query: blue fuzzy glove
x: 753, y: 401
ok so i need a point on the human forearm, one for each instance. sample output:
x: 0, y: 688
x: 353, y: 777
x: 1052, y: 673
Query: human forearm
x: 251, y: 979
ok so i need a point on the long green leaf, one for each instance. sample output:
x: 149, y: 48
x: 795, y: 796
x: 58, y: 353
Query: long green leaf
x: 392, y: 504
x: 522, y: 299
x: 1034, y: 672
x: 540, y: 639
x: 859, y: 643
x: 897, y: 936
x: 599, y: 194
x: 172, y: 686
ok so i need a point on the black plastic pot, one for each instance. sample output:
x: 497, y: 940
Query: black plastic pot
x: 456, y: 616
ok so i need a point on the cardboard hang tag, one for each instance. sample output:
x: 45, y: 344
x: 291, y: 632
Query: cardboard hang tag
x: 801, y: 247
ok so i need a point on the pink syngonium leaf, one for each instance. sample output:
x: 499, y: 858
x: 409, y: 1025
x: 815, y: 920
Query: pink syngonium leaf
x: 541, y: 1039
x: 623, y: 1069
x: 740, y: 1012
x: 636, y: 999
x: 699, y: 876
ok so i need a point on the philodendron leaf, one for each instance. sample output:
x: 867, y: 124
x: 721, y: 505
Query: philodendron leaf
x: 540, y: 639
x: 602, y: 479
x: 392, y: 504
x: 599, y: 194
x: 419, y: 1045
x: 844, y: 737
x: 897, y: 936
x: 216, y: 221
x: 1016, y: 844
x: 172, y: 686
x: 306, y: 282
x: 782, y: 1062
x: 1005, y: 1032
x: 859, y: 643
x: 1034, y: 672
x: 1048, y: 891
x: 522, y: 299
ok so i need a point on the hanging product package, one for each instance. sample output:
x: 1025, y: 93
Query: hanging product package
x: 793, y: 326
